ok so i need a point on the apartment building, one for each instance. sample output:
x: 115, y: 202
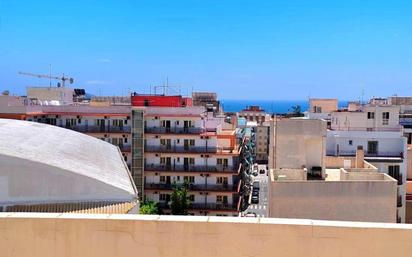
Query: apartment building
x: 376, y: 128
x: 111, y: 123
x: 262, y: 134
x: 184, y: 143
x: 321, y: 108
x: 354, y: 193
x: 254, y: 113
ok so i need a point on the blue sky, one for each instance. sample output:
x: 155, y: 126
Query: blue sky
x: 239, y: 49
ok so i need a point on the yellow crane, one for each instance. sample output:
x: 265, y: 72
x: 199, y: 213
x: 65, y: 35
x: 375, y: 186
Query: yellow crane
x: 63, y: 78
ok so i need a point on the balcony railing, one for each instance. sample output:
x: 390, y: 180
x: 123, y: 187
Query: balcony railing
x: 179, y: 149
x: 191, y: 168
x: 367, y: 154
x: 205, y: 206
x: 372, y: 129
x: 190, y: 149
x: 99, y: 129
x: 194, y: 187
x: 174, y: 130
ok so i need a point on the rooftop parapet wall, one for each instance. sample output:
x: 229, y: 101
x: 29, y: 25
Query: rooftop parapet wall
x: 73, y: 235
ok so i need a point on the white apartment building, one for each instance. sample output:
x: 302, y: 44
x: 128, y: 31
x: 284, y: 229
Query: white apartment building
x: 376, y: 128
x: 187, y: 144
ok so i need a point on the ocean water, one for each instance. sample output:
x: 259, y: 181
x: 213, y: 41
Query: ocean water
x: 270, y: 106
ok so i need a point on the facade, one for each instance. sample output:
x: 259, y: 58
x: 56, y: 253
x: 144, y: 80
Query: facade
x: 56, y: 95
x: 387, y: 150
x: 186, y: 144
x: 45, y: 168
x: 351, y: 194
x: 298, y: 143
x: 262, y: 138
x: 254, y: 113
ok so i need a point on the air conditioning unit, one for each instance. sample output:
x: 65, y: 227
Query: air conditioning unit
x: 157, y: 155
x: 156, y: 136
x: 201, y: 137
x: 156, y: 174
x: 105, y: 135
x: 201, y: 156
x: 124, y: 135
x: 156, y: 117
x: 105, y: 117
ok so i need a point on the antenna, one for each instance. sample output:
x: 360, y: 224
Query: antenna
x: 50, y: 74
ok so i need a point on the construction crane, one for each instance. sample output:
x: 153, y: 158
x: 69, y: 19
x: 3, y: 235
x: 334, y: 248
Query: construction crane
x: 63, y: 78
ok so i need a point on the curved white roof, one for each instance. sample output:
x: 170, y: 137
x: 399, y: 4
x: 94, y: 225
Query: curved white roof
x: 71, y: 155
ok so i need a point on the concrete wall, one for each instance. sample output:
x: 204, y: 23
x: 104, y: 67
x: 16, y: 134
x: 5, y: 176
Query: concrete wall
x: 300, y: 142
x: 71, y: 235
x: 326, y: 105
x: 373, y: 201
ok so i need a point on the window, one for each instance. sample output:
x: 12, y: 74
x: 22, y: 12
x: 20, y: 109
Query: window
x: 192, y: 198
x: 371, y: 115
x: 164, y: 197
x: 385, y: 115
x: 221, y: 199
x: 222, y: 162
x: 189, y: 179
x: 221, y: 180
x: 350, y: 142
x: 162, y: 179
x: 372, y: 147
x: 393, y: 171
x: 191, y: 142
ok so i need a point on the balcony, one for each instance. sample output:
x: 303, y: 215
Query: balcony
x: 205, y: 206
x: 179, y: 149
x: 174, y: 130
x: 192, y: 149
x: 191, y: 168
x: 367, y: 154
x: 368, y: 129
x: 99, y: 129
x: 194, y: 187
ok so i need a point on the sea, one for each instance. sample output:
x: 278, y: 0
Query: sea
x: 270, y: 106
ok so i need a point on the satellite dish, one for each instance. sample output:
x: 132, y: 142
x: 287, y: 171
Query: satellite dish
x: 58, y: 84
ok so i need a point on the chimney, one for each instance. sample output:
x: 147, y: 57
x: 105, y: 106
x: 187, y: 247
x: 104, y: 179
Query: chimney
x: 360, y: 156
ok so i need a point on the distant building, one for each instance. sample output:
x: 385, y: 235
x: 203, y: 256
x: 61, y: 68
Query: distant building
x: 208, y: 100
x: 254, y: 113
x: 321, y: 108
x: 51, y: 95
x: 44, y: 168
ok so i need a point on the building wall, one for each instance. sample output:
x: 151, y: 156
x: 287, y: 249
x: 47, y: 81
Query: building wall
x: 369, y: 201
x: 359, y: 120
x: 325, y: 105
x: 73, y: 235
x: 300, y: 142
x: 61, y: 94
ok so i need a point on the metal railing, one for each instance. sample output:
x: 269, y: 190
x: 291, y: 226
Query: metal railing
x: 369, y: 129
x: 179, y: 149
x: 194, y: 187
x: 191, y: 168
x: 367, y: 154
x: 99, y: 129
x: 174, y: 130
x: 204, y: 206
